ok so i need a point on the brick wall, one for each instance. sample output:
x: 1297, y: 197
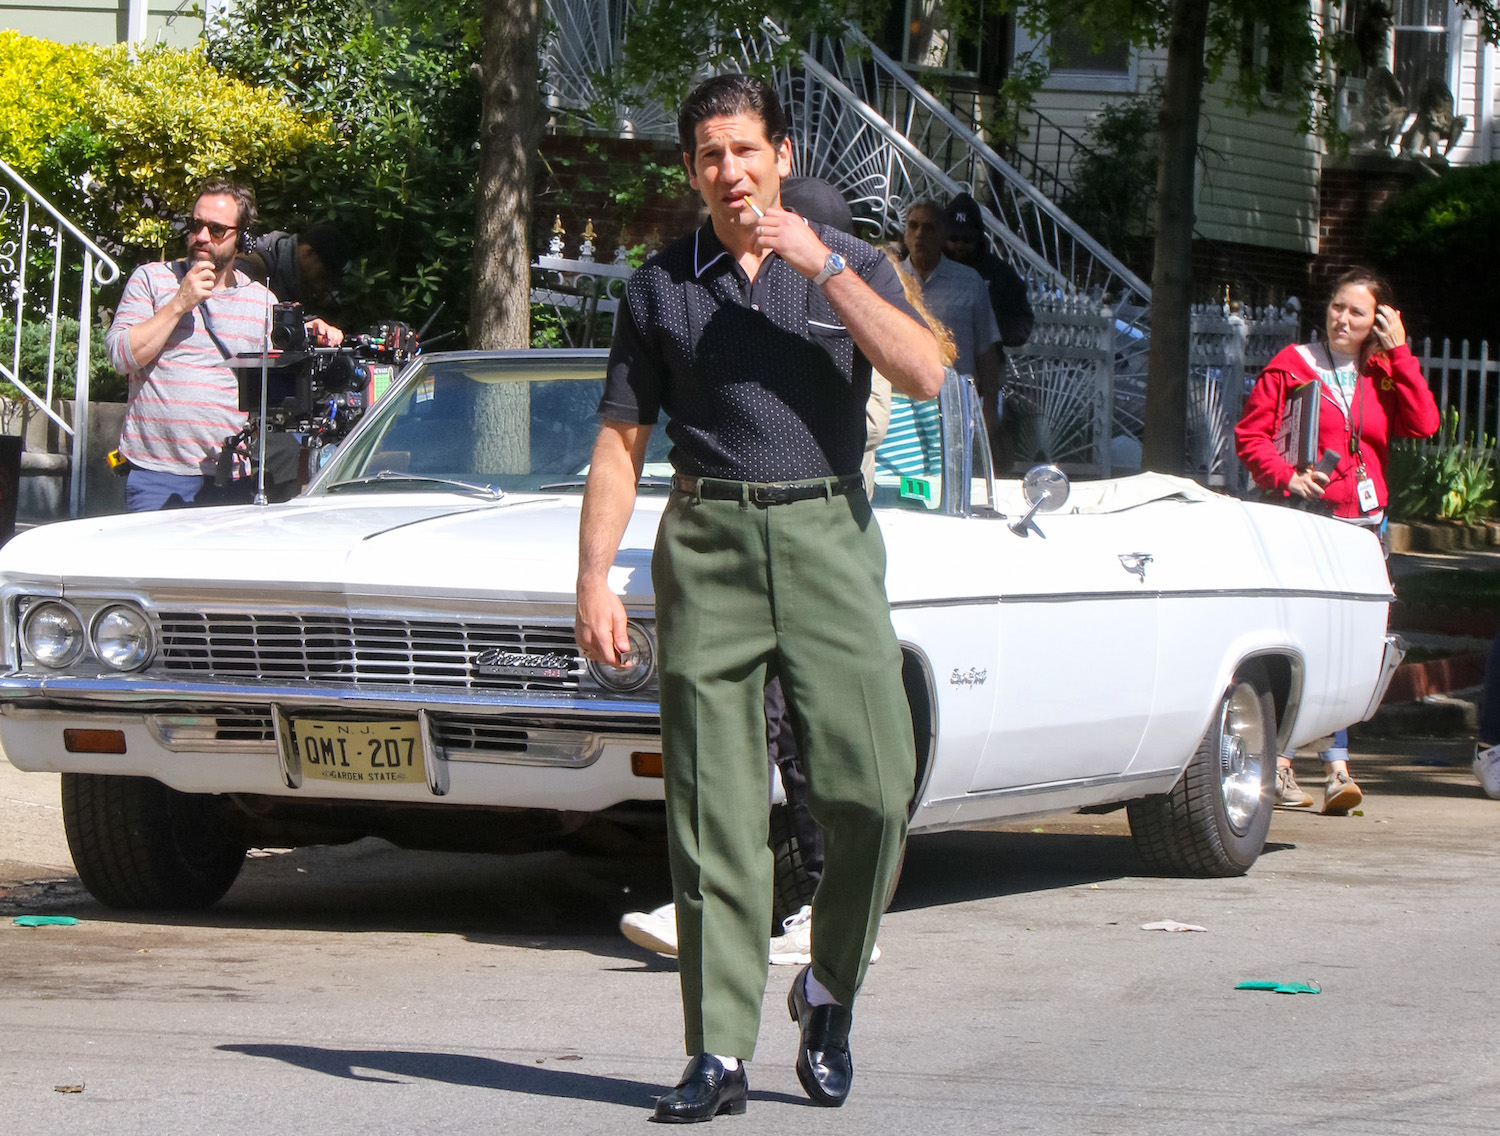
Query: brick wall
x: 575, y: 182
x: 1351, y: 192
x: 1255, y: 275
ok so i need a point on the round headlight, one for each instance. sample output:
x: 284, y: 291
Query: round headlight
x: 639, y: 668
x: 53, y: 634
x: 122, y: 638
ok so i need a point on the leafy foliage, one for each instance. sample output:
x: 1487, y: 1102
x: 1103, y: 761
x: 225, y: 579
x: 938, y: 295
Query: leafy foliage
x: 1114, y: 181
x: 669, y: 42
x: 117, y: 137
x: 392, y: 82
x: 1436, y: 240
x: 1452, y: 480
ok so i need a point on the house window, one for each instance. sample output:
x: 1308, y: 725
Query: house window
x: 1078, y: 67
x: 1421, y: 44
x: 1076, y: 55
x: 930, y: 44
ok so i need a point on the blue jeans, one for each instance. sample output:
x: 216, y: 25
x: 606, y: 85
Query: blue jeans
x: 1338, y: 751
x: 147, y: 490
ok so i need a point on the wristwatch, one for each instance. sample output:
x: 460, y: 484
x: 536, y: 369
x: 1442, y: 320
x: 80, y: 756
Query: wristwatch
x: 831, y: 267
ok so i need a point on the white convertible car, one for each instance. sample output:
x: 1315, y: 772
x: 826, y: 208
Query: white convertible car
x: 391, y: 653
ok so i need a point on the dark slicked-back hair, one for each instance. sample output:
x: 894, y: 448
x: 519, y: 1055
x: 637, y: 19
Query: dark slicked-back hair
x: 244, y: 198
x: 730, y: 94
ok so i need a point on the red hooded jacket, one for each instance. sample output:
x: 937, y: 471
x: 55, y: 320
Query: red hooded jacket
x: 1391, y: 400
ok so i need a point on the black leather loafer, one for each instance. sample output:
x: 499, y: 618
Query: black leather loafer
x: 824, y: 1064
x: 706, y: 1090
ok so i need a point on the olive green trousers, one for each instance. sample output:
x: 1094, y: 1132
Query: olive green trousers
x: 744, y: 592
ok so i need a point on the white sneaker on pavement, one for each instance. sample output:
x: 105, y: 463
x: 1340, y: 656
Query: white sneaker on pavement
x: 794, y: 946
x: 654, y: 930
x: 1487, y: 769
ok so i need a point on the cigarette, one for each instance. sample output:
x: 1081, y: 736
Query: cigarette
x: 758, y: 211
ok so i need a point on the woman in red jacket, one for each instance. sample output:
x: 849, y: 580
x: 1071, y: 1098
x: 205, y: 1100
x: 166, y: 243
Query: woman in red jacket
x: 1371, y: 391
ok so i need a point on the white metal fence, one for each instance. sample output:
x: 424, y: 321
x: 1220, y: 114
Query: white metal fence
x: 1467, y: 381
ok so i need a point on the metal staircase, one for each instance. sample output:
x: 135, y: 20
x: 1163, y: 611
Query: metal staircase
x: 861, y: 122
x: 41, y: 254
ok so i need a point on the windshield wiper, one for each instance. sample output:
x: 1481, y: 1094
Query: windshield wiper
x: 386, y: 477
x: 579, y: 483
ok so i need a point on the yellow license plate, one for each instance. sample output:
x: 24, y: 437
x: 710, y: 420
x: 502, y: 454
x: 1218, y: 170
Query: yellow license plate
x: 360, y: 753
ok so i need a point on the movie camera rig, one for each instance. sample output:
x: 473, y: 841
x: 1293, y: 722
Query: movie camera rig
x: 306, y: 397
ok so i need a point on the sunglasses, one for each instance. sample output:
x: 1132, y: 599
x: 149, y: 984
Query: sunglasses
x: 216, y: 231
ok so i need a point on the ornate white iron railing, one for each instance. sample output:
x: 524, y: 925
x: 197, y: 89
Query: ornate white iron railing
x: 36, y: 240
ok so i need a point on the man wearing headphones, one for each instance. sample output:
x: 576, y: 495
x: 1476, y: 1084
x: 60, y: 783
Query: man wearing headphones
x: 178, y: 324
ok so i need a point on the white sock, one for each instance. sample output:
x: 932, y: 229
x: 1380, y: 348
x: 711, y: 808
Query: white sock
x: 730, y: 1063
x: 817, y: 993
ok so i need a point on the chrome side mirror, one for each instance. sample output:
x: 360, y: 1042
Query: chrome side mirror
x: 1046, y: 489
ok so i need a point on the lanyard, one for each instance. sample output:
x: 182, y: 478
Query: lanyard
x: 1353, y: 408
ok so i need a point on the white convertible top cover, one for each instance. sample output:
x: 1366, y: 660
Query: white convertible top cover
x: 1111, y: 495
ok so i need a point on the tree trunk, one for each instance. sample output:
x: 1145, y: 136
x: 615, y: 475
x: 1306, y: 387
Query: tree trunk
x: 509, y: 122
x: 1164, y: 438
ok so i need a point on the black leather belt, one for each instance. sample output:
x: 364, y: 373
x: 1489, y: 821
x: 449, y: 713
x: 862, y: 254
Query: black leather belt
x: 767, y: 492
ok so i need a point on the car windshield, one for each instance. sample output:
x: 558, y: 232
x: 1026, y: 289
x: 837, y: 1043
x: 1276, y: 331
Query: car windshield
x: 525, y: 421
x: 516, y: 423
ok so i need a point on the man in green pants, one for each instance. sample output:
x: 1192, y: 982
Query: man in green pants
x: 756, y: 336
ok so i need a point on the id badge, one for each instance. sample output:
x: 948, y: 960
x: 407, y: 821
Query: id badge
x: 1365, y: 491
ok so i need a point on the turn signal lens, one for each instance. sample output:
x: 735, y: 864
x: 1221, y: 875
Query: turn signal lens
x: 645, y: 764
x: 122, y: 638
x: 94, y: 741
x: 53, y: 634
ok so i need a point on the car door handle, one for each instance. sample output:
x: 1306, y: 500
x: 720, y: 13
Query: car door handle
x: 1136, y: 562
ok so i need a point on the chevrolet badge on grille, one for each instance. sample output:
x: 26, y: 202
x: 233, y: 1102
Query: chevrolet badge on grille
x: 518, y: 664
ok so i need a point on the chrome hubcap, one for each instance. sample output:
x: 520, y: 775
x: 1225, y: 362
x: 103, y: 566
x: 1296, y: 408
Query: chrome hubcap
x: 1243, y: 755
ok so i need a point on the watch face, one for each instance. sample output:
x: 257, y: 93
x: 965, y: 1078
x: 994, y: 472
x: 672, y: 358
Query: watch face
x: 834, y: 263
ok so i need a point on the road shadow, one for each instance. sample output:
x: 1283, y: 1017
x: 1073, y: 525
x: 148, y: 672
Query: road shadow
x: 567, y: 901
x: 957, y: 867
x: 537, y: 1079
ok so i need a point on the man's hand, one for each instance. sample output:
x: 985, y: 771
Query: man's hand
x: 197, y: 284
x: 608, y: 499
x: 599, y: 623
x: 324, y: 334
x: 790, y: 237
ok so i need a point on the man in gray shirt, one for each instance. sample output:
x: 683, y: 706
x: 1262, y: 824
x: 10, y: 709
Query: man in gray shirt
x: 958, y: 296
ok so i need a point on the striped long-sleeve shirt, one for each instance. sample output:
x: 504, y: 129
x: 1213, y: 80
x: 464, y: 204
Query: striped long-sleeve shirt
x: 183, y: 406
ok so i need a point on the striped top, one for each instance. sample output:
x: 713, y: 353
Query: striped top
x: 183, y: 406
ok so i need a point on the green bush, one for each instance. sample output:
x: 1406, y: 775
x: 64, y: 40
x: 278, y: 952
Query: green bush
x: 1436, y: 241
x: 398, y: 168
x: 1450, y: 480
x: 105, y: 384
x: 144, y: 124
x: 1113, y: 190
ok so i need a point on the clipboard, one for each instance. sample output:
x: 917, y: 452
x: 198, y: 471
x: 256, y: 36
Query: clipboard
x: 1297, y: 435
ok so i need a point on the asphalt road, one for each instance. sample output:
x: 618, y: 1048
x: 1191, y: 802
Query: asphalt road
x: 368, y: 990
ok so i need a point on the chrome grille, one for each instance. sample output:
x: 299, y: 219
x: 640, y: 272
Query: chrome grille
x: 333, y: 650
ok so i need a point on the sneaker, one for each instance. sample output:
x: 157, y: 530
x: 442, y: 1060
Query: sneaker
x: 794, y: 946
x: 1289, y: 794
x: 654, y: 930
x: 1340, y: 795
x: 1487, y: 769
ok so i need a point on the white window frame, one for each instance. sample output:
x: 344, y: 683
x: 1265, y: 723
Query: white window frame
x: 1116, y: 82
x: 927, y: 68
